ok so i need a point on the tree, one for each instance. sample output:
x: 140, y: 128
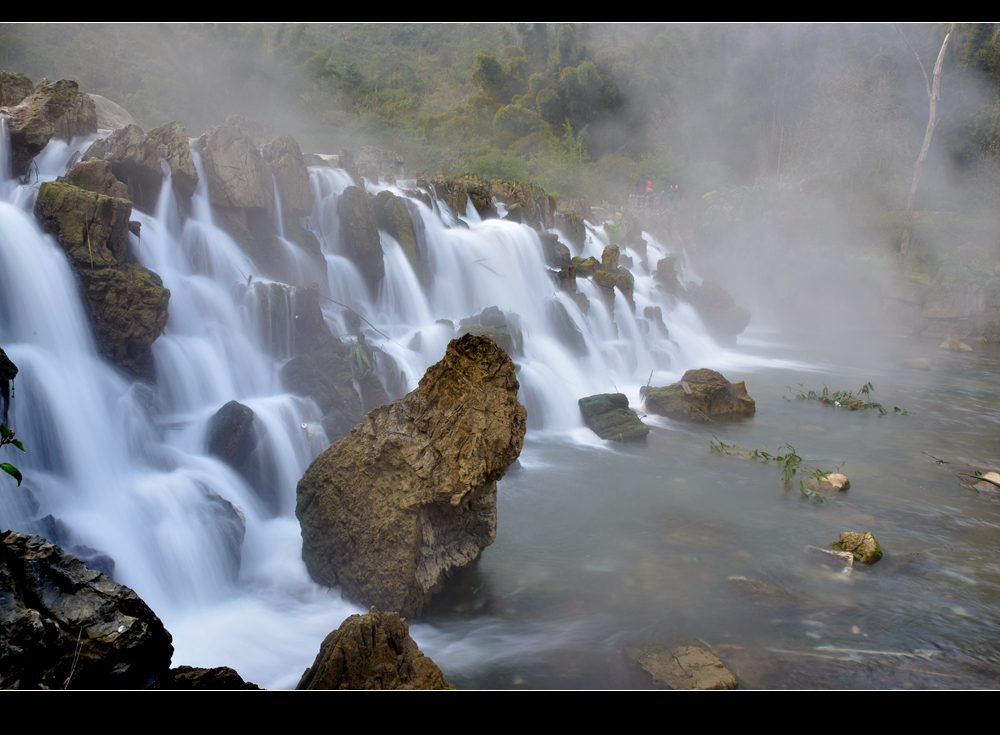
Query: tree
x: 933, y: 94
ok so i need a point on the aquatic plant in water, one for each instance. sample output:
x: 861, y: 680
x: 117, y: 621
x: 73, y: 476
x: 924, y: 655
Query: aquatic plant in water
x: 844, y: 399
x: 790, y: 463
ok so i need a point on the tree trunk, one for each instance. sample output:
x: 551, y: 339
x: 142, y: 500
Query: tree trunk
x: 934, y: 94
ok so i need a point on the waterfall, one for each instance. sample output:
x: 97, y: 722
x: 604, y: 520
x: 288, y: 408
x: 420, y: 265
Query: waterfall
x: 120, y: 467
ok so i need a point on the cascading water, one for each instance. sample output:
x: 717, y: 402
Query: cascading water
x: 122, y: 468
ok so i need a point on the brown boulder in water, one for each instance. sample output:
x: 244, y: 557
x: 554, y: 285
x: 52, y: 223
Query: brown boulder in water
x: 411, y: 494
x: 701, y: 395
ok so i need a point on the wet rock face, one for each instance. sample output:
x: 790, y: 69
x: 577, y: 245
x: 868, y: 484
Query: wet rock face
x: 231, y: 435
x: 709, y: 396
x: 372, y: 651
x: 360, y: 234
x: 135, y: 161
x: 285, y: 159
x: 64, y: 625
x: 393, y: 216
x: 126, y: 303
x: 54, y: 110
x: 172, y: 144
x: 237, y: 175
x: 609, y: 416
x: 410, y: 495
x: 863, y: 546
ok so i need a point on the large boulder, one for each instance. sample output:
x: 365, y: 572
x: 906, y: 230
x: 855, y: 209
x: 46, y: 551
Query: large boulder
x: 410, y: 495
x: 111, y: 115
x: 53, y: 110
x: 231, y: 436
x: 359, y: 234
x: 372, y: 651
x: 237, y: 174
x: 135, y: 161
x: 285, y: 159
x: 96, y: 176
x: 609, y: 416
x: 700, y: 396
x: 63, y: 625
x: 172, y: 144
x: 14, y: 87
x: 126, y: 303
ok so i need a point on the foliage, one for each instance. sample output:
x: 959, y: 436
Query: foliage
x: 790, y: 463
x: 844, y: 399
x: 361, y: 356
x: 7, y: 437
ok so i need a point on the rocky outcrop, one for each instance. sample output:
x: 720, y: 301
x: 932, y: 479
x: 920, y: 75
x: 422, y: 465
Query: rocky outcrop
x: 190, y: 678
x: 238, y: 178
x: 684, y: 667
x: 53, y: 110
x: 556, y: 254
x: 8, y: 371
x: 375, y: 164
x: 135, y: 161
x: 66, y: 626
x: 372, y: 651
x: 610, y: 276
x: 172, y: 145
x: 537, y: 208
x: 410, y: 495
x: 285, y: 159
x: 701, y: 395
x: 393, y: 216
x: 126, y: 303
x: 609, y: 416
x: 359, y: 234
x: 96, y: 176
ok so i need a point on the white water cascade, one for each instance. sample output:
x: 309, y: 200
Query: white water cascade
x: 119, y: 467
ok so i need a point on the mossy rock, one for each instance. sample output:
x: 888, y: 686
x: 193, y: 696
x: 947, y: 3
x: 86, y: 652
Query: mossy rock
x: 91, y: 228
x: 711, y: 398
x: 609, y: 416
x: 586, y: 266
x: 863, y: 546
x: 393, y: 216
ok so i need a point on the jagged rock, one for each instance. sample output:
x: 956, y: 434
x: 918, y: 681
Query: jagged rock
x: 389, y: 511
x: 57, y: 532
x: 569, y: 334
x: 135, y: 161
x: 666, y: 275
x: 285, y: 158
x: 110, y: 115
x: 221, y: 678
x: 609, y: 416
x: 126, y: 303
x: 393, y: 216
x: 723, y: 318
x: 684, y: 667
x: 955, y: 345
x: 610, y: 276
x: 8, y: 371
x: 573, y: 227
x: 359, y: 234
x: 52, y: 110
x: 231, y: 436
x: 863, y: 545
x: 372, y: 651
x: 66, y: 626
x: 833, y: 482
x: 96, y: 176
x: 535, y: 205
x: 493, y: 323
x: 237, y: 174
x: 711, y: 397
x: 172, y: 144
x: 14, y: 87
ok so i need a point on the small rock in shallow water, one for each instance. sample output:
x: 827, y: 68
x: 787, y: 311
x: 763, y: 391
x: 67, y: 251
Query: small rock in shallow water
x: 683, y: 667
x: 863, y: 545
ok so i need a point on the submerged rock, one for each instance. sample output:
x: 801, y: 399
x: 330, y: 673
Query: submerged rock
x: 372, y: 651
x: 66, y: 626
x: 609, y: 416
x: 410, y: 495
x: 955, y: 345
x: 832, y: 482
x: 231, y: 436
x: 684, y: 667
x: 863, y: 545
x: 701, y: 395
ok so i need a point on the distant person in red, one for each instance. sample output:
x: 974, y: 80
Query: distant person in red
x: 649, y: 186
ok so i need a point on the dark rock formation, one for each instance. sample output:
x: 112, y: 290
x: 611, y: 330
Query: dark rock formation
x: 375, y: 164
x: 609, y: 416
x: 410, y: 495
x: 556, y: 254
x: 53, y: 110
x: 536, y: 207
x: 8, y: 371
x: 66, y: 626
x: 393, y: 216
x: 359, y: 234
x: 126, y: 303
x: 372, y: 651
x: 172, y: 144
x: 707, y: 397
x: 572, y: 226
x: 221, y: 678
x: 135, y: 160
x: 231, y: 436
x: 285, y: 159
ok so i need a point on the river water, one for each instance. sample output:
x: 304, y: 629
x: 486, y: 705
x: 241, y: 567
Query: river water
x: 599, y: 546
